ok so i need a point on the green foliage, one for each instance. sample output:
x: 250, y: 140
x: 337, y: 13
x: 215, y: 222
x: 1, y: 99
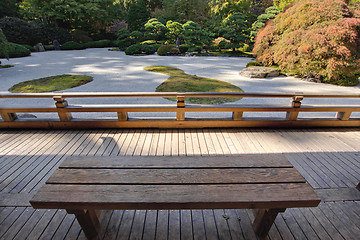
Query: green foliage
x: 50, y: 84
x: 50, y: 33
x: 195, y: 36
x: 155, y: 30
x: 282, y: 4
x: 236, y: 29
x: 88, y: 15
x: 14, y: 50
x: 99, y: 44
x: 253, y: 63
x: 175, y: 31
x: 138, y: 49
x: 185, y: 10
x: 4, y: 51
x: 81, y: 36
x: 183, y: 48
x: 20, y: 31
x: 179, y: 81
x: 72, y: 46
x: 165, y: 50
x: 225, y: 7
x: 136, y: 37
x: 9, y: 8
x: 320, y: 37
x: 270, y: 13
x: 137, y: 15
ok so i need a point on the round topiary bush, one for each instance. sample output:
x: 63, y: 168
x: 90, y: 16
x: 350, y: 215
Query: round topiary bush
x: 133, y: 49
x: 99, y: 44
x: 320, y: 37
x: 72, y: 46
x: 138, y: 49
x: 183, y: 48
x: 148, y: 49
x: 15, y: 50
x: 165, y: 50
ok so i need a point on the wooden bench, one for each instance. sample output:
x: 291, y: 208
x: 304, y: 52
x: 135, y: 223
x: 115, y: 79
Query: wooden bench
x: 83, y: 185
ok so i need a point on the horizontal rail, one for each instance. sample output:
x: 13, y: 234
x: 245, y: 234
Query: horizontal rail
x: 65, y: 119
x: 172, y: 94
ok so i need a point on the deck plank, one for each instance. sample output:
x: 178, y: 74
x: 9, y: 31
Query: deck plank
x: 327, y: 158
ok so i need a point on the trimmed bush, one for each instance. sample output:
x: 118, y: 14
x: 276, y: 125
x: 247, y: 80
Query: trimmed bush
x: 133, y: 49
x: 15, y: 50
x: 72, y: 46
x: 99, y: 44
x: 20, y: 32
x: 318, y: 37
x: 165, y: 50
x: 183, y: 48
x: 31, y: 48
x: 138, y: 49
x: 253, y: 63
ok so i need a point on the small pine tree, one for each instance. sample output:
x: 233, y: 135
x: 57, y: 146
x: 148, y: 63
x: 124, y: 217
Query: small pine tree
x: 236, y: 29
x: 195, y: 37
x: 155, y: 30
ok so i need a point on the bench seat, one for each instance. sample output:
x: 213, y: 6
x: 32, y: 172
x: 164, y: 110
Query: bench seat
x: 83, y: 185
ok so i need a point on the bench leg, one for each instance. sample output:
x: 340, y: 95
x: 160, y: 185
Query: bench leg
x: 264, y: 219
x: 88, y: 221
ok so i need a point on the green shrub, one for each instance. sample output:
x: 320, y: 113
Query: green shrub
x: 15, y: 50
x: 133, y: 49
x: 183, y: 48
x: 253, y: 63
x: 137, y: 49
x: 72, y: 46
x: 148, y: 49
x: 20, y: 31
x: 317, y: 36
x: 31, y: 48
x: 123, y: 44
x: 164, y: 50
x: 99, y: 44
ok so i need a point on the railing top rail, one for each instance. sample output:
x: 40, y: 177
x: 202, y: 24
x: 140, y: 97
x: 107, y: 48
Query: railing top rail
x: 172, y: 94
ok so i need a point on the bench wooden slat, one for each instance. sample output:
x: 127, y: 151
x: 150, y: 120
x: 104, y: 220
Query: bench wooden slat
x: 232, y: 196
x: 175, y: 176
x: 144, y: 162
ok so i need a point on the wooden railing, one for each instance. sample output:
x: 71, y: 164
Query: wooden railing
x: 342, y: 114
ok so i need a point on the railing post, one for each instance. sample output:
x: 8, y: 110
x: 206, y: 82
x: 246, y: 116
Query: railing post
x: 343, y: 115
x: 122, y: 116
x: 62, y: 103
x: 9, y: 117
x: 295, y: 103
x: 237, y: 116
x: 180, y: 113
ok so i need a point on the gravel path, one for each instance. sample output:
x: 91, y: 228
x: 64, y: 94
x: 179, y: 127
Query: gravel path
x: 115, y: 71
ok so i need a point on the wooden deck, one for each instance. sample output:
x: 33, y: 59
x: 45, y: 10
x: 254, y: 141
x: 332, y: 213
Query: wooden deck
x: 329, y: 159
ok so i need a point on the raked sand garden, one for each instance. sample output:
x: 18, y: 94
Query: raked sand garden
x: 114, y: 71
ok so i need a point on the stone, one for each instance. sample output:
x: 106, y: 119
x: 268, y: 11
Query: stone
x: 56, y: 45
x: 39, y: 48
x: 259, y: 72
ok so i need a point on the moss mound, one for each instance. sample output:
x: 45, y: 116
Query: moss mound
x: 179, y: 81
x: 50, y: 84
